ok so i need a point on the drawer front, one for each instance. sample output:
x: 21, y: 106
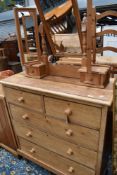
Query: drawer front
x: 73, y: 133
x: 62, y: 147
x: 85, y: 115
x: 61, y: 165
x: 24, y: 99
x: 24, y: 115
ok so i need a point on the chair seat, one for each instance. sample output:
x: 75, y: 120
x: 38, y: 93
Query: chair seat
x: 107, y: 60
x: 70, y: 40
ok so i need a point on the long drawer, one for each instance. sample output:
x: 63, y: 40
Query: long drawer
x: 61, y: 165
x: 62, y: 147
x: 24, y: 99
x: 85, y: 115
x: 73, y: 133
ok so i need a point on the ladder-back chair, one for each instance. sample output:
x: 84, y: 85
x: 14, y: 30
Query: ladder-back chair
x: 107, y: 60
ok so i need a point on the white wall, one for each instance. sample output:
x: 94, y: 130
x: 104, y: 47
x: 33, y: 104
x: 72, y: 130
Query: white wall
x: 30, y: 2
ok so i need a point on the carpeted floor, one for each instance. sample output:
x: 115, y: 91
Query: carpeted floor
x: 10, y: 165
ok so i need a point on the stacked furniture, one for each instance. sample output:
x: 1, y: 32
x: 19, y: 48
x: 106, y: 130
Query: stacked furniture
x: 60, y: 114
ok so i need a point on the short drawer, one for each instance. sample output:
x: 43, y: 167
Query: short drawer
x: 85, y: 115
x: 22, y: 98
x: 76, y: 134
x: 57, y: 163
x: 57, y: 145
x: 24, y: 115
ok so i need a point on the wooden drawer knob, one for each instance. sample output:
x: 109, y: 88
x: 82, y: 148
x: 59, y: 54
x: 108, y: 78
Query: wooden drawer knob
x: 20, y: 99
x: 69, y: 132
x: 68, y: 112
x: 25, y: 116
x: 71, y: 169
x: 69, y: 151
x: 32, y: 150
x: 29, y: 134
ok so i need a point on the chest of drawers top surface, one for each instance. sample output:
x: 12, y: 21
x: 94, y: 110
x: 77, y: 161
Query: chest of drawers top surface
x: 64, y: 90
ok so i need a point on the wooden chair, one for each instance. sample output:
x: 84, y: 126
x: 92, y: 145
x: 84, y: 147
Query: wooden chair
x: 55, y: 25
x: 105, y: 60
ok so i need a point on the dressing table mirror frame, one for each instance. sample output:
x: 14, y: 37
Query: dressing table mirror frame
x: 33, y: 14
x: 35, y: 68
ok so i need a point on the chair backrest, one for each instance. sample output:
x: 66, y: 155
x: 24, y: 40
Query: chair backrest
x: 95, y: 18
x: 57, y: 26
x: 54, y: 21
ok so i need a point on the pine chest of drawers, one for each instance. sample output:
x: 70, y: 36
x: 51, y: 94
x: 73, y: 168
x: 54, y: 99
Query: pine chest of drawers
x: 57, y: 125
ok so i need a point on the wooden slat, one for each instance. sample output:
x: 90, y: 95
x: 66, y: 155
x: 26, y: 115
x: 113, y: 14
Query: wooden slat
x: 114, y: 32
x: 59, y: 11
x: 106, y: 13
x: 113, y: 49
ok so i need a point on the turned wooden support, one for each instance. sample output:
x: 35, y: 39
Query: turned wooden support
x: 84, y: 39
x: 89, y: 36
x: 41, y: 30
x: 44, y: 56
x: 84, y: 33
